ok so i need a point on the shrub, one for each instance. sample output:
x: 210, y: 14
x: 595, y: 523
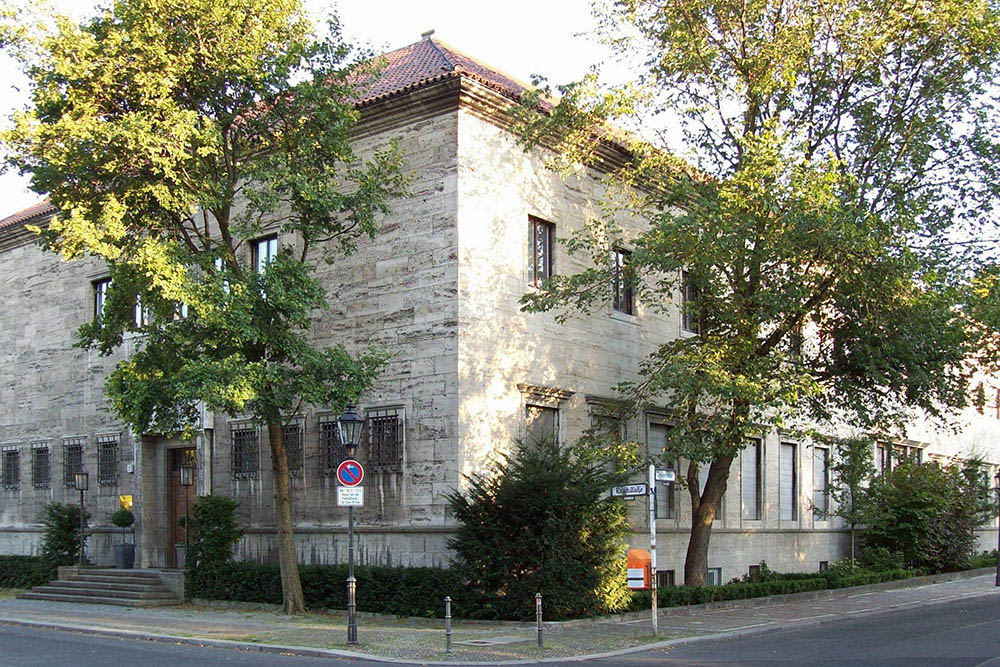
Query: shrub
x: 985, y: 559
x: 539, y: 524
x: 880, y: 559
x: 679, y: 596
x: 212, y: 532
x: 123, y: 519
x: 61, y: 540
x: 24, y: 571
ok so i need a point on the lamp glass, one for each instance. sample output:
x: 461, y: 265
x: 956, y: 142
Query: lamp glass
x: 81, y: 481
x: 350, y: 425
x: 187, y: 475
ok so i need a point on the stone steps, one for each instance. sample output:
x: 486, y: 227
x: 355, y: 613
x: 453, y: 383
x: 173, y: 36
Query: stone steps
x: 128, y: 588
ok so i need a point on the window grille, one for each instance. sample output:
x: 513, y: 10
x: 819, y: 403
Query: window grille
x: 41, y: 467
x: 245, y: 451
x: 11, y: 468
x: 541, y: 423
x: 384, y: 432
x: 293, y: 447
x: 72, y: 460
x: 331, y: 451
x: 107, y: 460
x: 664, y: 578
x: 542, y: 234
x: 623, y: 282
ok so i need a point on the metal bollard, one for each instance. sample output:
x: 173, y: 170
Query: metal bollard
x: 447, y: 624
x: 538, y: 618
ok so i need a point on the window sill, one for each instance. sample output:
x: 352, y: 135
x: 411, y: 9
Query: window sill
x: 624, y: 317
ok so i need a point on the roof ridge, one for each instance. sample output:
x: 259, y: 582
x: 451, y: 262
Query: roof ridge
x: 452, y: 65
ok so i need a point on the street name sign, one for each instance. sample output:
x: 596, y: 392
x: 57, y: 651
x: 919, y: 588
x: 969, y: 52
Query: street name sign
x: 350, y: 496
x: 666, y: 476
x: 350, y: 473
x: 629, y: 490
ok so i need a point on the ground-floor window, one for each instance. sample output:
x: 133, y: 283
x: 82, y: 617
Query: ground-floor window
x: 11, y: 468
x: 107, y: 460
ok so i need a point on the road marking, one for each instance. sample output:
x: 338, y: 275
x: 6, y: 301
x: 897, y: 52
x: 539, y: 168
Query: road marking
x: 859, y: 611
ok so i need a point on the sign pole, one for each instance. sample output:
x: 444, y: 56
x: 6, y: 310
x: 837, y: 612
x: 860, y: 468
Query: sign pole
x: 652, y: 540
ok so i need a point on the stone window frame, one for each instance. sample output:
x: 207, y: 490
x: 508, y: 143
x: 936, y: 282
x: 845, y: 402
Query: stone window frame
x: 244, y: 456
x: 543, y: 397
x: 386, y: 453
x: 796, y: 480
x: 108, y: 455
x: 755, y: 443
x: 10, y: 467
x: 331, y: 451
x: 295, y: 458
x: 546, y: 250
x: 38, y: 480
x: 70, y: 445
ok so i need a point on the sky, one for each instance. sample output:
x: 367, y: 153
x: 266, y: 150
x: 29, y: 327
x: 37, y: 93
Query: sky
x: 517, y: 37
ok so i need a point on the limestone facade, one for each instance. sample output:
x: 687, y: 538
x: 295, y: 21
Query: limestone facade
x: 439, y: 289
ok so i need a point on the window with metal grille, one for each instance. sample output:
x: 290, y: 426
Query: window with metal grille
x: 72, y: 460
x: 540, y: 423
x: 542, y: 235
x: 107, y: 460
x: 664, y: 578
x: 384, y: 434
x: 293, y: 447
x: 245, y: 451
x: 40, y: 466
x: 331, y: 452
x: 622, y: 282
x: 11, y: 468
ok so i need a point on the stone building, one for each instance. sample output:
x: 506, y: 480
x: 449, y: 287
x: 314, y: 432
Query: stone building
x: 470, y: 372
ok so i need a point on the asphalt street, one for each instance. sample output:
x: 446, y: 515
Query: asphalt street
x: 966, y: 632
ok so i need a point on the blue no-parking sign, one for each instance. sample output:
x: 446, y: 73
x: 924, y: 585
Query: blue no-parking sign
x: 350, y: 473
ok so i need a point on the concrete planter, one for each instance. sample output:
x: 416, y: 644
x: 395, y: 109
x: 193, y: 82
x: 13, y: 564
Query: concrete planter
x: 181, y: 551
x: 124, y: 556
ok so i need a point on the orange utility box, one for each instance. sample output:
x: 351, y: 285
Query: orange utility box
x: 640, y: 566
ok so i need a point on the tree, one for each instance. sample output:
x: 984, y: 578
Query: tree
x: 62, y: 540
x: 834, y: 150
x: 539, y: 522
x: 171, y: 134
x: 851, y: 471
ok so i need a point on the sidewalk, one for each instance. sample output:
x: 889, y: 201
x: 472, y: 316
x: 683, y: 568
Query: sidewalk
x: 419, y: 640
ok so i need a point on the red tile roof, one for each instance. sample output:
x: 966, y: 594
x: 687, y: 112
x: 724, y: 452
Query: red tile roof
x: 405, y: 69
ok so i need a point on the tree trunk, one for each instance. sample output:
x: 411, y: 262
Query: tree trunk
x: 702, y: 515
x: 291, y: 586
x: 852, y: 545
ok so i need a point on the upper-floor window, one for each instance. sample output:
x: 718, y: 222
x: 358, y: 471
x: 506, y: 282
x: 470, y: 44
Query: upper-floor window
x: 821, y: 482
x: 622, y: 282
x: 245, y: 451
x: 331, y: 451
x: 690, y: 318
x: 40, y: 466
x: 666, y: 502
x: 542, y: 235
x: 540, y: 423
x: 750, y: 468
x: 384, y: 431
x: 140, y: 313
x: 787, y: 482
x: 293, y: 447
x: 101, y: 288
x: 264, y: 251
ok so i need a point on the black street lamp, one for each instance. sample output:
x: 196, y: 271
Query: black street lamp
x: 350, y: 425
x: 187, y: 479
x: 81, y: 481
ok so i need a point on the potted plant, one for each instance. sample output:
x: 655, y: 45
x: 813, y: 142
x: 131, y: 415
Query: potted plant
x: 124, y: 553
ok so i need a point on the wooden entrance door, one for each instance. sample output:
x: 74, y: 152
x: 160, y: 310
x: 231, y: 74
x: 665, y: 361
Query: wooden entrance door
x: 178, y: 493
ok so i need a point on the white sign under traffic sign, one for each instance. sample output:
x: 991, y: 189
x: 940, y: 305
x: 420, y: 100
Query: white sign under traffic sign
x: 350, y: 496
x: 629, y: 490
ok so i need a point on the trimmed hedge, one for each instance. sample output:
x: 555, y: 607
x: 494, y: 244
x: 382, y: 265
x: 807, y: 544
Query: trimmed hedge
x: 681, y: 596
x: 24, y: 571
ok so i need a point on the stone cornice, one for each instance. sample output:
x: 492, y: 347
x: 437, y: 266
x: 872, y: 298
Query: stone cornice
x: 546, y: 394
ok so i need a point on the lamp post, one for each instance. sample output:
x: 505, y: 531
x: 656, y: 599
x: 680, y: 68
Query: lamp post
x: 81, y: 481
x: 187, y: 479
x: 349, y: 426
x: 997, y: 489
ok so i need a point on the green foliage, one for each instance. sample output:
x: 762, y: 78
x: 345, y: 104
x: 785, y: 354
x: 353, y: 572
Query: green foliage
x: 25, y: 571
x: 123, y: 518
x: 678, y: 596
x: 61, y: 539
x: 985, y: 559
x: 880, y: 559
x: 212, y: 532
x: 927, y: 514
x: 538, y: 523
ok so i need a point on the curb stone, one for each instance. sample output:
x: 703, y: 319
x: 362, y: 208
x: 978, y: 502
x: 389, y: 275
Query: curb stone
x: 306, y: 651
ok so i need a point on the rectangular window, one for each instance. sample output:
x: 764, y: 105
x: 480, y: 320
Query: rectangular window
x: 107, y: 460
x: 264, y: 251
x: 140, y: 313
x: 40, y: 466
x: 245, y: 453
x: 384, y: 430
x: 540, y: 423
x: 72, y: 460
x: 824, y: 565
x: 690, y: 319
x: 11, y: 468
x: 666, y: 505
x: 293, y: 447
x: 100, y: 295
x: 664, y: 578
x: 714, y: 577
x: 622, y: 282
x: 542, y: 235
x: 331, y: 452
x: 787, y: 483
x: 821, y: 480
x: 882, y: 460
x: 750, y: 467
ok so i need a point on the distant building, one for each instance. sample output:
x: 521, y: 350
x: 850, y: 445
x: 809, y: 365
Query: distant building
x: 439, y: 288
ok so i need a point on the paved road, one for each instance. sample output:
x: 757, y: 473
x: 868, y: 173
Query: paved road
x: 962, y: 633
